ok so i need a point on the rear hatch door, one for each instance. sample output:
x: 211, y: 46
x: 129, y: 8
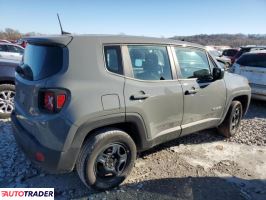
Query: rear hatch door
x: 42, y: 59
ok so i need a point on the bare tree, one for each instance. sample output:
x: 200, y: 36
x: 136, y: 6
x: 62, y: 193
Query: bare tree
x: 235, y: 40
x: 11, y: 34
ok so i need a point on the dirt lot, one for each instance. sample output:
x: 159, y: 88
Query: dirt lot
x: 199, y: 166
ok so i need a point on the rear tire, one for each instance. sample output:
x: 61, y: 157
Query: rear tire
x: 7, y: 93
x: 232, y: 120
x: 106, y: 159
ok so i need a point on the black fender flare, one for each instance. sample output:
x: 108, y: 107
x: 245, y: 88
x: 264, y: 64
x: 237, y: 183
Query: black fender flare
x: 87, y: 128
x: 229, y: 101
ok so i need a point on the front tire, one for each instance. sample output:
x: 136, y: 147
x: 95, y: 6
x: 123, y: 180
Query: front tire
x: 231, y: 123
x: 7, y: 94
x: 106, y: 159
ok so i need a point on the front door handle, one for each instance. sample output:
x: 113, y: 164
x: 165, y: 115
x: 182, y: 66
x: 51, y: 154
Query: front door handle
x: 192, y: 91
x: 140, y: 96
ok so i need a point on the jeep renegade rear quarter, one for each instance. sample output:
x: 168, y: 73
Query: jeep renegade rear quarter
x: 93, y: 101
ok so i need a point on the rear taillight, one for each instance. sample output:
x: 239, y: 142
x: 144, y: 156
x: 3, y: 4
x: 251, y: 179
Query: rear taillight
x: 52, y: 100
x: 60, y: 101
x: 48, y: 103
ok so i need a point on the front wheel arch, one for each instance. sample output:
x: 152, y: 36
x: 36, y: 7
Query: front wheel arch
x: 232, y: 121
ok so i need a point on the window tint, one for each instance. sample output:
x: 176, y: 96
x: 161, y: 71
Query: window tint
x: 192, y: 62
x: 150, y: 62
x: 243, y: 50
x: 40, y: 62
x: 113, y: 59
x: 253, y: 60
x: 3, y: 48
x: 230, y: 52
x: 14, y: 49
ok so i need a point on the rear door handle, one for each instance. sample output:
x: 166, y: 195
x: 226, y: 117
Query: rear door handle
x: 140, y: 96
x: 192, y: 91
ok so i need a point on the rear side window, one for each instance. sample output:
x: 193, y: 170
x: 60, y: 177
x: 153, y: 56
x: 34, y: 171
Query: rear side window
x: 150, y: 62
x: 113, y: 59
x: 40, y: 61
x: 253, y: 60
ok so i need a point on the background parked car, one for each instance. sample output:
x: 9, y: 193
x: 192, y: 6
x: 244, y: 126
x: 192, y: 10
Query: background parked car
x: 5, y: 41
x: 221, y: 48
x: 246, y: 49
x: 219, y: 57
x: 252, y: 65
x: 21, y: 42
x: 230, y: 53
x: 7, y: 86
x: 11, y: 51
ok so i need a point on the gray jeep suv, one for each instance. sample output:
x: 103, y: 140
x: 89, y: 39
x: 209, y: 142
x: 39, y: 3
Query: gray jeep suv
x: 93, y: 101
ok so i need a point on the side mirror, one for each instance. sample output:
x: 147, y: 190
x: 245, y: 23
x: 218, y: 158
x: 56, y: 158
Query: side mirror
x: 217, y: 73
x: 203, y: 74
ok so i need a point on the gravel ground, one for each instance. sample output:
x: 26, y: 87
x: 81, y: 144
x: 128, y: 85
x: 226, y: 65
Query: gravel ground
x: 251, y: 132
x: 198, y: 166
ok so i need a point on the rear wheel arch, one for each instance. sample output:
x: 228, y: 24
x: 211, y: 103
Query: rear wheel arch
x: 95, y: 171
x: 133, y: 126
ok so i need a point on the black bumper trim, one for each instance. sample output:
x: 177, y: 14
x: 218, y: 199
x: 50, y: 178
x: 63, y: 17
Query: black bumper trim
x: 55, y: 161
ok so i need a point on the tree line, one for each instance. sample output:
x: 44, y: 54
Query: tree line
x: 11, y: 34
x: 233, y: 40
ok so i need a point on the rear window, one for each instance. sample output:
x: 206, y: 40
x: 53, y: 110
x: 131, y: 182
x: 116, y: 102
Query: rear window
x: 243, y: 50
x: 253, y: 60
x: 40, y: 62
x: 230, y: 52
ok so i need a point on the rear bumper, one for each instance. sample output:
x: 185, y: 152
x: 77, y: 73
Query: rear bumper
x: 54, y: 162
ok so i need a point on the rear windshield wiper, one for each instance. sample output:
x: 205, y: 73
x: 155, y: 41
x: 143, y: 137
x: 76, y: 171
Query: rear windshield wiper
x: 25, y: 71
x: 19, y: 70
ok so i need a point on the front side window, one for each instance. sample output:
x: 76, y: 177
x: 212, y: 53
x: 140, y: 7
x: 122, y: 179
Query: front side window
x: 192, y: 62
x: 150, y: 62
x: 113, y: 59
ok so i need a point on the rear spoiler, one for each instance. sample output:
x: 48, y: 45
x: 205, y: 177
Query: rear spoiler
x: 50, y: 40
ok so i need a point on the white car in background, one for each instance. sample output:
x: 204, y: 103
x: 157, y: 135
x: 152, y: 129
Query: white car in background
x: 252, y: 65
x: 222, y: 60
x: 11, y: 51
